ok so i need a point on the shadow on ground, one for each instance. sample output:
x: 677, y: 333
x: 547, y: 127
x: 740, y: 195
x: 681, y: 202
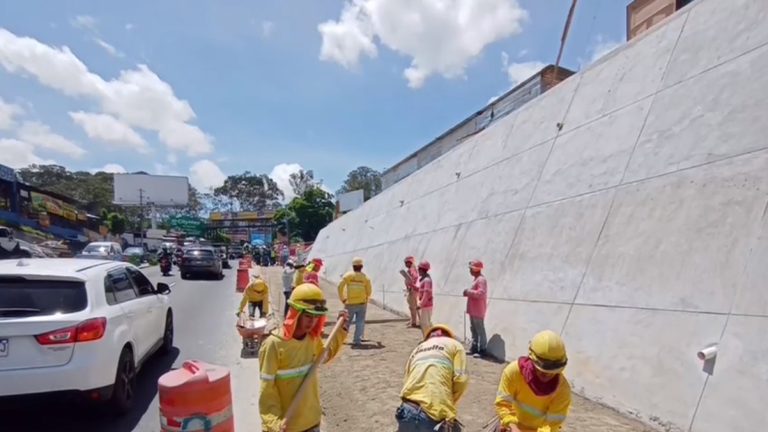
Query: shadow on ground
x: 53, y: 413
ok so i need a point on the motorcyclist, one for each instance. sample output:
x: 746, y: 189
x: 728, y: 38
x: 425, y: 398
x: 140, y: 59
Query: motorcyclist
x: 164, y: 252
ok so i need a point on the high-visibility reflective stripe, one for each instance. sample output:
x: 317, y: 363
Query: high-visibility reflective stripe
x: 434, y: 360
x: 532, y: 410
x: 267, y: 377
x: 293, y: 373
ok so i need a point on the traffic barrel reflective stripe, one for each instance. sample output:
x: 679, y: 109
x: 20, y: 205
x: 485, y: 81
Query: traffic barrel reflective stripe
x: 196, y: 422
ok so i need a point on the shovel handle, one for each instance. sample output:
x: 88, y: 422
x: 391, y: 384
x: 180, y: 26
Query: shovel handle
x: 294, y: 406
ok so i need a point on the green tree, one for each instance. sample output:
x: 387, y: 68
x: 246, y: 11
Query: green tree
x: 302, y: 181
x: 251, y: 192
x: 306, y: 214
x: 365, y: 178
x: 117, y: 224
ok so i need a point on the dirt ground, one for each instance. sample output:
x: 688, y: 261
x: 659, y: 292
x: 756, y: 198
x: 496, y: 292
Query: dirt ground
x: 360, y: 388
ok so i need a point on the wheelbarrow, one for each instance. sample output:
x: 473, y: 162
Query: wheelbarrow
x: 253, y: 331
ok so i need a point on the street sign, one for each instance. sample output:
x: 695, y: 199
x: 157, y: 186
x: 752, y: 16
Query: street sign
x: 189, y: 225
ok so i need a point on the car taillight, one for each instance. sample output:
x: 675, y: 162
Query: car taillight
x: 88, y: 330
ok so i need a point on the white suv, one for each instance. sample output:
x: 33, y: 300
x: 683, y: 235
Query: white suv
x: 79, y: 325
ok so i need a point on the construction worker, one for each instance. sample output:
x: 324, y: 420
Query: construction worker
x: 285, y: 358
x: 534, y: 395
x: 298, y: 275
x: 287, y: 283
x: 477, y: 304
x: 315, y: 265
x: 412, y: 290
x: 256, y: 296
x: 311, y: 277
x: 435, y: 380
x: 355, y: 291
x: 425, y: 300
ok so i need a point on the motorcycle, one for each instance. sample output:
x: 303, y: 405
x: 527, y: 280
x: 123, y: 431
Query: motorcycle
x: 165, y: 265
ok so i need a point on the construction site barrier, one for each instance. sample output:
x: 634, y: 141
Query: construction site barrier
x: 196, y: 398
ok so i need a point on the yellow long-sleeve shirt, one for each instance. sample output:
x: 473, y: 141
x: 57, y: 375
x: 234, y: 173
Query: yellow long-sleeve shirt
x: 284, y: 363
x: 516, y: 404
x: 298, y: 276
x: 355, y: 288
x: 256, y: 291
x: 436, y: 378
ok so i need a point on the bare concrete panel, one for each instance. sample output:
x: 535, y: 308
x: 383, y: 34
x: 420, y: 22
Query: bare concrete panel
x: 475, y: 245
x: 690, y: 134
x: 752, y: 297
x: 549, y: 258
x: 680, y: 241
x: 511, y: 183
x: 740, y: 369
x: 716, y: 32
x: 619, y: 357
x: 626, y: 76
x: 489, y: 145
x: 537, y: 122
x: 592, y: 157
x: 514, y: 323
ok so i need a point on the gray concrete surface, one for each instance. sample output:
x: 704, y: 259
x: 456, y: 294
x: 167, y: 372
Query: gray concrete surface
x: 204, y: 325
x: 638, y: 228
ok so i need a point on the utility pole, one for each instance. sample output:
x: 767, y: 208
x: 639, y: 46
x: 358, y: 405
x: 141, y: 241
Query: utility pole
x: 141, y: 218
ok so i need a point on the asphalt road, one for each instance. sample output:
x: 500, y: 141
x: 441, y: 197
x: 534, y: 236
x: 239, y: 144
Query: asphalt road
x: 204, y: 330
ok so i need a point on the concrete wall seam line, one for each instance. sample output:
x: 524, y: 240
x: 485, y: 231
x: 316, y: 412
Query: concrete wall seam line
x: 735, y: 296
x: 621, y: 181
x: 559, y: 200
x: 544, y: 165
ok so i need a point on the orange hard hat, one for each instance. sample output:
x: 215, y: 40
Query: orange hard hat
x: 425, y: 265
x: 410, y: 259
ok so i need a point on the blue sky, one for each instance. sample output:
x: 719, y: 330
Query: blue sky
x: 210, y: 88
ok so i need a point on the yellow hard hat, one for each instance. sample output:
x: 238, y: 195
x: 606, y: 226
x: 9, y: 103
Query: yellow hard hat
x: 308, y: 298
x: 357, y: 261
x: 547, y: 351
x: 442, y: 327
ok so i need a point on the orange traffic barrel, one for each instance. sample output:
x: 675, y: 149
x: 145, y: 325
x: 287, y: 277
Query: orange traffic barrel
x: 196, y: 398
x: 243, y: 274
x: 249, y: 261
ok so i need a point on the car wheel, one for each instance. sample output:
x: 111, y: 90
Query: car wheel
x: 124, y: 389
x: 220, y: 276
x: 184, y: 276
x: 167, y: 334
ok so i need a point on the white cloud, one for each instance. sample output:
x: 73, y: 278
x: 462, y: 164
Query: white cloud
x: 8, y: 114
x: 205, y: 175
x: 523, y: 52
x: 111, y: 168
x: 19, y: 154
x: 440, y: 36
x: 281, y: 174
x: 519, y: 72
x: 129, y: 26
x: 111, y: 50
x: 41, y: 136
x: 267, y: 28
x: 109, y: 130
x: 163, y: 169
x: 84, y: 22
x: 137, y: 97
x: 601, y: 47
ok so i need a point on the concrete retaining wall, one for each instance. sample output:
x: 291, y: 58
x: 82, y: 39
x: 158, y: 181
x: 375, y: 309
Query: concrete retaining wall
x: 638, y: 229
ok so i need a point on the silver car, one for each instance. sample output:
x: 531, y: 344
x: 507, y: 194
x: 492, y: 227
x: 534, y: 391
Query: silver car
x: 201, y: 260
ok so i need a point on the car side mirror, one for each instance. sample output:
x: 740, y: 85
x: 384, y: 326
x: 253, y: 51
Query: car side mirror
x: 163, y: 288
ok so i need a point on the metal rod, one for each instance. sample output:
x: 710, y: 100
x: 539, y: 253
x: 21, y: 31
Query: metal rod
x: 566, y: 29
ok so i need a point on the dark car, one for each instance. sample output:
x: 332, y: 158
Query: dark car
x: 201, y: 260
x: 136, y: 253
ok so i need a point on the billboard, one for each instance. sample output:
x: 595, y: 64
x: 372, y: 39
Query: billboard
x: 350, y: 200
x: 163, y: 191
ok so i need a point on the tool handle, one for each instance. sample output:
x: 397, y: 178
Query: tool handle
x: 294, y: 406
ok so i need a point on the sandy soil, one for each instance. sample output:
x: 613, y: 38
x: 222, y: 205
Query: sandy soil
x: 360, y: 388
